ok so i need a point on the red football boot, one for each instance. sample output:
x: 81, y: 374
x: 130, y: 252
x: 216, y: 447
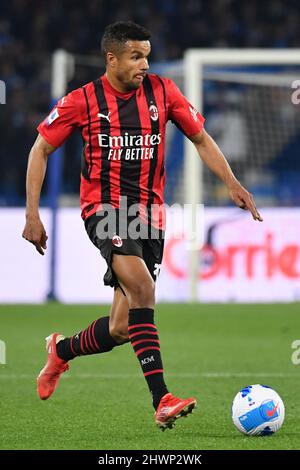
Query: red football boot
x: 171, y: 408
x: 48, y: 377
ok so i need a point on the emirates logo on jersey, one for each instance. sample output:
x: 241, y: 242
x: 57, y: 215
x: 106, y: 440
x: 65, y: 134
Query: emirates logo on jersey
x: 117, y: 241
x: 153, y: 112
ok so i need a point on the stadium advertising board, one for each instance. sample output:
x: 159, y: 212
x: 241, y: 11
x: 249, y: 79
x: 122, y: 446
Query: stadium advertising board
x: 240, y: 261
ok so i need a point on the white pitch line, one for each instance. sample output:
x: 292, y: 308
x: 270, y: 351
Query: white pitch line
x: 206, y: 375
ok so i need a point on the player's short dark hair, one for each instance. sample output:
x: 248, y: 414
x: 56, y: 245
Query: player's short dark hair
x: 116, y: 34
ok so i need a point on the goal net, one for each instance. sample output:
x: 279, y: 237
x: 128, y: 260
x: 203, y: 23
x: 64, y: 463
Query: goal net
x: 246, y: 97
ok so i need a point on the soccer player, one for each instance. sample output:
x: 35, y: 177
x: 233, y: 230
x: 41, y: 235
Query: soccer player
x: 122, y: 117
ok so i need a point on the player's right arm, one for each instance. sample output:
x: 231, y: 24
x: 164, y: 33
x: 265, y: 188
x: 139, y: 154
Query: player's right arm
x: 53, y: 132
x: 34, y: 230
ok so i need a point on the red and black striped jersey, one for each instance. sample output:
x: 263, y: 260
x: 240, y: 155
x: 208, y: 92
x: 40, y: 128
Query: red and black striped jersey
x: 124, y: 138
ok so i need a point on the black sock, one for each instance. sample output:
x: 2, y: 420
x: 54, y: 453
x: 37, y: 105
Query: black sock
x: 94, y: 339
x: 145, y: 342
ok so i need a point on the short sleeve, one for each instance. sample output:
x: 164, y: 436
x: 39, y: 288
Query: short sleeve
x: 181, y: 112
x: 62, y: 120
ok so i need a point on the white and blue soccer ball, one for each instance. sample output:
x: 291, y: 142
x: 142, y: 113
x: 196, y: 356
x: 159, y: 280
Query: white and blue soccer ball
x: 257, y: 410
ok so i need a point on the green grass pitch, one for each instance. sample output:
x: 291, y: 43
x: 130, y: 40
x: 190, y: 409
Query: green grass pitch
x: 209, y: 351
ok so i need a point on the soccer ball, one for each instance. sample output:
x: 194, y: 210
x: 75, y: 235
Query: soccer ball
x: 257, y: 410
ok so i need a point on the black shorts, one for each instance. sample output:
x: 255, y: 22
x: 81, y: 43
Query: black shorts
x: 149, y: 246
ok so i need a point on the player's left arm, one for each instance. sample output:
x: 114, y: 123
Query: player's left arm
x: 212, y: 156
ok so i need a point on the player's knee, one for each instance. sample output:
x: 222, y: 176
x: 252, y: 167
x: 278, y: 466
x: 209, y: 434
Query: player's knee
x: 119, y: 333
x: 142, y: 294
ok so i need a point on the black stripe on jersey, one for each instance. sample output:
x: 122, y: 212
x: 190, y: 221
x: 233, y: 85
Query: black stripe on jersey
x: 164, y: 92
x: 84, y: 164
x: 154, y: 130
x: 162, y: 170
x: 85, y: 167
x: 104, y: 127
x: 130, y: 169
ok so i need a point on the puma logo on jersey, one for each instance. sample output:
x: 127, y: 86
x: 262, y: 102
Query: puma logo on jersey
x: 64, y: 98
x: 104, y: 116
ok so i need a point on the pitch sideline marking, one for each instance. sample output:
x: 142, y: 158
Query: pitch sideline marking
x: 207, y: 375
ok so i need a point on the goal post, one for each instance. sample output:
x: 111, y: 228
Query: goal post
x: 62, y: 69
x: 195, y: 61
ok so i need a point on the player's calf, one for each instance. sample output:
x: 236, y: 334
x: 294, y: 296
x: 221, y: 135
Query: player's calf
x: 119, y: 333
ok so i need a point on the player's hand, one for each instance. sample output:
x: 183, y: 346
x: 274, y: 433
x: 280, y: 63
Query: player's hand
x: 243, y: 199
x: 35, y: 233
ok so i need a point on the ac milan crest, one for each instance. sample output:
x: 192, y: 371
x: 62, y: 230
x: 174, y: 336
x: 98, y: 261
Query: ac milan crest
x: 117, y: 241
x: 153, y: 112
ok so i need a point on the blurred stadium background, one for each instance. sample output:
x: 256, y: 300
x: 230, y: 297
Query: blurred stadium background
x: 250, y: 113
x: 248, y: 110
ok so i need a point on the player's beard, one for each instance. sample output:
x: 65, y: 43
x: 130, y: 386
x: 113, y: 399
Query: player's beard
x: 134, y: 86
x: 130, y: 84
